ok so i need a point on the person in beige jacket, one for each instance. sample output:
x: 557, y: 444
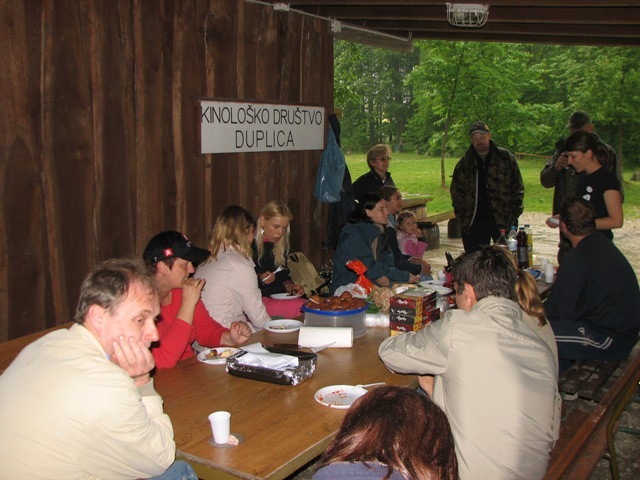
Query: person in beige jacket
x: 495, y: 378
x: 79, y: 403
x: 231, y: 293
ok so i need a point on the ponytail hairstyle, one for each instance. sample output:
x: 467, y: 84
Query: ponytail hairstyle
x: 529, y: 298
x: 581, y: 141
x: 230, y: 231
x: 275, y: 208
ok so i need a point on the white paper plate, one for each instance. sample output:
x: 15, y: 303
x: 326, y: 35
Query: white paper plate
x: 339, y: 396
x: 437, y: 288
x: 202, y: 356
x: 429, y: 283
x: 282, y: 326
x: 284, y: 296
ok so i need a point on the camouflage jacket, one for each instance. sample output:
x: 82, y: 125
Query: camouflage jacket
x: 504, y: 184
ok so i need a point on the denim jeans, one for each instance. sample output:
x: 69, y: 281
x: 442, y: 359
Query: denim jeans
x: 178, y: 471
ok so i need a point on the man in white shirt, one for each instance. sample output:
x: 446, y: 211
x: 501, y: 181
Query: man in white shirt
x: 495, y: 378
x: 79, y: 402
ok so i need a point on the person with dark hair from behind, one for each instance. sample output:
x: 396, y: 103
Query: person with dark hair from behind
x: 495, y: 378
x: 79, y: 402
x: 365, y: 238
x: 378, y: 160
x: 391, y: 433
x: 594, y: 306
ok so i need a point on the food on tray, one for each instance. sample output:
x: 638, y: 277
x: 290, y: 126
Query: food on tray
x: 344, y: 302
x: 213, y: 353
x: 279, y: 327
x: 381, y: 296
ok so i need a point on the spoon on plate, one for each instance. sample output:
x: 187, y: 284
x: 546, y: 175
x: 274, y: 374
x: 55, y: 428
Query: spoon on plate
x: 370, y: 385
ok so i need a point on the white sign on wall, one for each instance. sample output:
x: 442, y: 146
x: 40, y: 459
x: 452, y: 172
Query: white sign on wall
x: 232, y: 127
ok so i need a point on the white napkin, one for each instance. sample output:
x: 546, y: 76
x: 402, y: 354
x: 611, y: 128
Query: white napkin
x: 335, y: 337
x: 258, y: 356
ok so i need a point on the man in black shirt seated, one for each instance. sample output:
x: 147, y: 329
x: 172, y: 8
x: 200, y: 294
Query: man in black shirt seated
x: 594, y: 307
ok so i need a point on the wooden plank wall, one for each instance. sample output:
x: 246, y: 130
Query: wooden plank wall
x: 99, y: 134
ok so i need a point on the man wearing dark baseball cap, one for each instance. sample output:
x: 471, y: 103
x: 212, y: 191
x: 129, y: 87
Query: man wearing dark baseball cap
x: 563, y: 178
x: 487, y: 191
x: 169, y: 244
x: 172, y: 257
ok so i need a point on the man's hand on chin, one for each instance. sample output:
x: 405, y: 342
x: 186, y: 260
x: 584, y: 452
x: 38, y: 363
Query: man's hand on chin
x: 134, y: 357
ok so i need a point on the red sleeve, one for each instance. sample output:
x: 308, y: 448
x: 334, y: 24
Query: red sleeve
x: 174, y: 340
x: 208, y: 331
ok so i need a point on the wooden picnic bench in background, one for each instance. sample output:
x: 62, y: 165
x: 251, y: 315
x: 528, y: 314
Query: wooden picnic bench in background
x: 604, y: 389
x: 9, y: 350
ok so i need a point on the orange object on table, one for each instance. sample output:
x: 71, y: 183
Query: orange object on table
x: 359, y: 268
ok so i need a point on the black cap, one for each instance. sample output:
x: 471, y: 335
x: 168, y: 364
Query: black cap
x: 480, y: 127
x: 578, y: 120
x: 170, y: 244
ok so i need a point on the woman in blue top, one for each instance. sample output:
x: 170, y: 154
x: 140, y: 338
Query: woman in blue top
x: 599, y: 186
x: 364, y: 238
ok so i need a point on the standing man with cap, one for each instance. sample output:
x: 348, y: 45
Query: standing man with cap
x: 184, y: 319
x: 558, y: 174
x: 487, y: 191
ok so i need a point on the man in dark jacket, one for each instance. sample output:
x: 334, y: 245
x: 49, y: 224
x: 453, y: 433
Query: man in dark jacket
x: 594, y: 307
x: 486, y: 190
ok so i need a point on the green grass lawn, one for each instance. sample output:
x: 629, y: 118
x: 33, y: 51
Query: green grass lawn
x: 417, y: 175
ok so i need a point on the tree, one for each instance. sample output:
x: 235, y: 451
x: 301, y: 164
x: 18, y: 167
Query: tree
x: 369, y: 87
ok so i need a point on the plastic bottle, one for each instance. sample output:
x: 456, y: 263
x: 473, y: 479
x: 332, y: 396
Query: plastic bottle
x: 523, y: 249
x: 512, y: 244
x: 527, y: 229
x: 502, y: 240
x: 512, y: 233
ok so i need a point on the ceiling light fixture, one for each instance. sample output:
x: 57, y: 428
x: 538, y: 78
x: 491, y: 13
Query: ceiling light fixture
x: 468, y: 15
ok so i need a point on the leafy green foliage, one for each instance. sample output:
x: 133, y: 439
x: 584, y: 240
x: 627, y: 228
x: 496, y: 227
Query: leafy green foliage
x: 424, y: 101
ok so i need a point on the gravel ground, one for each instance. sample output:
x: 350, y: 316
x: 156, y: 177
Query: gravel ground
x: 545, y: 241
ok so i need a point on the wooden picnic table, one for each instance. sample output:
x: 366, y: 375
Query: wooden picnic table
x: 417, y: 205
x: 283, y: 427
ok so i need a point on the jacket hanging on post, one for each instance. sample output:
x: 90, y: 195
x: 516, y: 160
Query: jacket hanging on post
x: 339, y: 212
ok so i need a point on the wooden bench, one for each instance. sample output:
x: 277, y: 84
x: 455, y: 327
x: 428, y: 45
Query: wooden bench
x: 9, y: 350
x: 430, y: 228
x: 588, y: 428
x: 417, y: 205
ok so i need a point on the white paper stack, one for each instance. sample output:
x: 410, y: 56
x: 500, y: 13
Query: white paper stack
x: 335, y: 337
x: 258, y: 356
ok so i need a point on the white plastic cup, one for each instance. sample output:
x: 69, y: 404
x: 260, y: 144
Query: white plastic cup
x: 220, y: 426
x: 548, y: 273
